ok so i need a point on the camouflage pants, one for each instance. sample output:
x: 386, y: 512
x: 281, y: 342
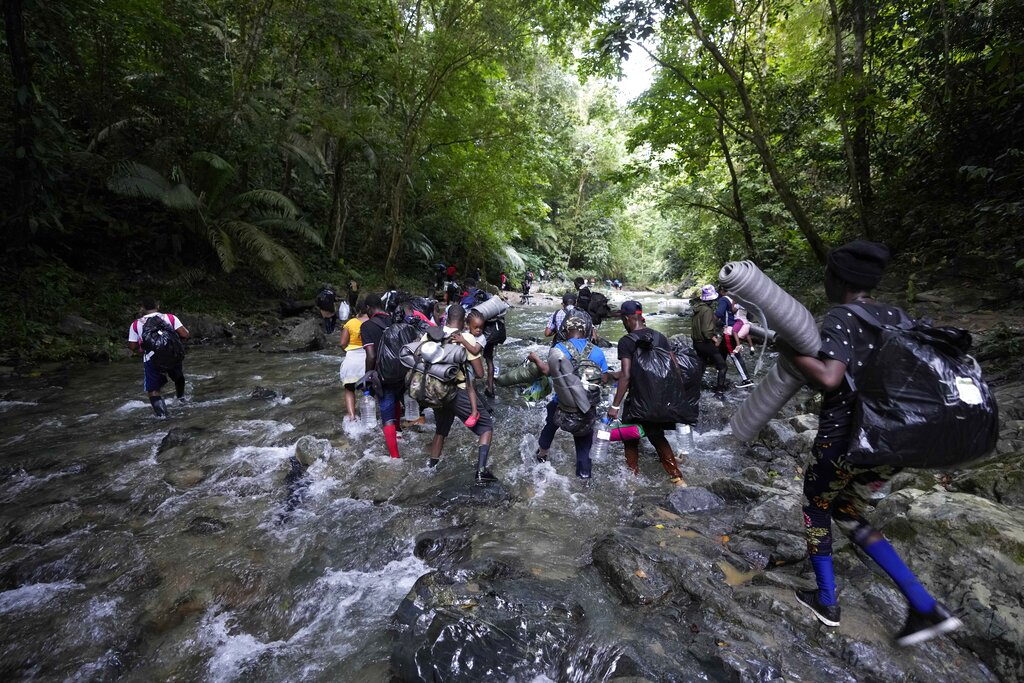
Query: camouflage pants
x: 835, y: 490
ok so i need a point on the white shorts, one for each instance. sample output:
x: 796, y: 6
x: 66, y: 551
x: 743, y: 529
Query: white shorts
x: 353, y: 366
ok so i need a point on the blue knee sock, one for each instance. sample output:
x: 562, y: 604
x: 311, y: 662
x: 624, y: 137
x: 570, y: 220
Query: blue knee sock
x: 481, y: 461
x: 825, y: 578
x: 884, y: 554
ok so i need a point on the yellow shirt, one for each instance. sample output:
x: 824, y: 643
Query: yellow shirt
x: 355, y: 341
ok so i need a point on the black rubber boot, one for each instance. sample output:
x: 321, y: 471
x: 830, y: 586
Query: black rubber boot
x: 179, y: 388
x: 722, y: 386
x: 159, y: 407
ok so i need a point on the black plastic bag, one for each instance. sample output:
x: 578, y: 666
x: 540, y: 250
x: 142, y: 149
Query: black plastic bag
x: 921, y: 401
x: 692, y: 367
x: 495, y: 331
x: 575, y: 422
x: 657, y: 388
x: 389, y: 364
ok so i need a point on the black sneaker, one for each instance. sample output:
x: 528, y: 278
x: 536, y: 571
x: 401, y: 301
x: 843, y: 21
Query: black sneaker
x: 826, y: 614
x: 744, y: 384
x: 540, y: 458
x: 921, y: 627
x: 484, y: 477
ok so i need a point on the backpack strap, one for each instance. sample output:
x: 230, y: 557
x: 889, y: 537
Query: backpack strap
x: 870, y: 318
x: 574, y: 355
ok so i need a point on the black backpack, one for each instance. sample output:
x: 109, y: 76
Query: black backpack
x: 396, y: 335
x: 495, y: 331
x: 598, y: 307
x: 657, y: 386
x: 583, y: 298
x: 326, y: 299
x: 921, y: 401
x: 160, y: 338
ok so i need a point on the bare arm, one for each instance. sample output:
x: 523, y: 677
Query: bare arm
x: 620, y: 391
x: 821, y: 374
x: 535, y: 359
x: 183, y: 332
x: 343, y: 341
x: 371, y: 357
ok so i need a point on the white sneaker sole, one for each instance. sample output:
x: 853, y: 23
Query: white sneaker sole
x: 817, y: 615
x: 945, y: 626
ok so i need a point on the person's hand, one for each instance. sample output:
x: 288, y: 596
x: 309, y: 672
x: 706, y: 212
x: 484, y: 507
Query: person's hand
x: 613, y: 413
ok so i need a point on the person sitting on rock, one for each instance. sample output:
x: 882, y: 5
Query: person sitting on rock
x: 835, y: 490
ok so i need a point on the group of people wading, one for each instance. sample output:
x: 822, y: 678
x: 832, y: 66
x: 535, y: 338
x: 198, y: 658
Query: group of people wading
x: 401, y: 349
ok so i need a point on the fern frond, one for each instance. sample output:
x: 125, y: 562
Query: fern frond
x: 282, y: 267
x: 132, y: 179
x: 307, y: 152
x: 268, y: 199
x: 300, y: 228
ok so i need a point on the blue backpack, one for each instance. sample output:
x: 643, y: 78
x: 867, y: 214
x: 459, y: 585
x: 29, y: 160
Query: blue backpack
x: 473, y: 297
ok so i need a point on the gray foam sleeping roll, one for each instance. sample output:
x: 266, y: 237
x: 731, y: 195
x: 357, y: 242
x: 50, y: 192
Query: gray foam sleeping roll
x: 792, y: 322
x: 492, y: 308
x: 572, y: 395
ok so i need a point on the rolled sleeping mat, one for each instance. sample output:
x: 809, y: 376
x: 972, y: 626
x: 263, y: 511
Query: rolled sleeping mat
x: 492, y: 308
x: 446, y: 372
x: 572, y: 395
x: 793, y: 322
x: 524, y: 374
x: 432, y: 352
x: 758, y: 332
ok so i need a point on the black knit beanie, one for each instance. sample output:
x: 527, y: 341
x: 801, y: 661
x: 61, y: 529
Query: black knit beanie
x: 859, y: 263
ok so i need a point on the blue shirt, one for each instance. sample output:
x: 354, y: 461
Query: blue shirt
x: 596, y: 355
x: 724, y: 311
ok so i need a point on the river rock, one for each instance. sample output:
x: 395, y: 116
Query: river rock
x: 694, y: 499
x: 308, y: 335
x: 77, y: 326
x: 38, y: 525
x: 178, y: 436
x: 635, y: 577
x: 309, y: 449
x: 207, y: 328
x: 481, y: 630
x: 804, y: 423
x: 185, y: 478
x: 444, y: 548
x: 1001, y: 481
x: 778, y: 435
x: 969, y: 552
x: 263, y: 393
x: 204, y: 526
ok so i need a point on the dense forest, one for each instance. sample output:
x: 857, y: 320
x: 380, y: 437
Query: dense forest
x: 217, y: 151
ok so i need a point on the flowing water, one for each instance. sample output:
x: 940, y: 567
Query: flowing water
x: 195, y: 556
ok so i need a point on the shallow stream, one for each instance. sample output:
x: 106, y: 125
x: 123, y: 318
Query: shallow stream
x: 178, y: 549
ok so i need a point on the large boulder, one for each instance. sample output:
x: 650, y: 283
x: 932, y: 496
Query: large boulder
x: 969, y: 552
x: 1001, y: 481
x: 308, y: 335
x: 207, y: 328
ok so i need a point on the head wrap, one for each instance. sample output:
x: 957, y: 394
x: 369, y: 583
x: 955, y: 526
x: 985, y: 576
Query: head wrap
x: 859, y: 263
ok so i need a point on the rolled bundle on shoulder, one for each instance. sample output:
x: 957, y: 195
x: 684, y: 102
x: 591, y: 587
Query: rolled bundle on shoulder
x: 572, y: 395
x: 524, y: 374
x: 492, y: 308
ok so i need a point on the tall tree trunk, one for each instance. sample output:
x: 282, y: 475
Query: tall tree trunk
x: 397, y: 197
x: 760, y: 140
x: 844, y: 124
x: 734, y: 182
x: 862, y: 115
x: 27, y: 176
x: 339, y: 200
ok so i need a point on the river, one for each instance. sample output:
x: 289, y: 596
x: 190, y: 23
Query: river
x: 129, y: 552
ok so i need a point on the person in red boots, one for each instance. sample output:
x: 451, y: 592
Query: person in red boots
x: 390, y: 398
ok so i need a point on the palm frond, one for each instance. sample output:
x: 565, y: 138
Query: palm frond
x: 281, y: 266
x: 224, y: 247
x: 214, y: 173
x: 512, y: 259
x: 115, y: 128
x: 181, y: 198
x: 268, y: 199
x: 306, y: 151
x: 132, y: 179
x: 419, y: 244
x: 300, y: 228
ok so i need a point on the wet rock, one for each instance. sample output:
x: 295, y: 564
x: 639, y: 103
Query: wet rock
x: 694, y: 499
x: 207, y: 328
x: 1001, y: 481
x: 39, y: 525
x: 185, y: 478
x: 263, y: 393
x: 912, y: 479
x: 804, y: 423
x: 491, y: 630
x: 969, y: 552
x: 308, y: 335
x: 309, y: 449
x: 77, y: 326
x: 178, y: 436
x: 778, y: 435
x: 742, y: 490
x: 205, y: 526
x: 635, y: 577
x: 444, y: 548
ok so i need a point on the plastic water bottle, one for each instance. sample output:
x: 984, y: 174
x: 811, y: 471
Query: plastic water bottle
x: 602, y: 440
x: 495, y: 369
x: 367, y: 410
x: 412, y: 409
x: 685, y: 433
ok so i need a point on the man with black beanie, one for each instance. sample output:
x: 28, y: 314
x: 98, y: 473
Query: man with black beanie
x: 834, y: 489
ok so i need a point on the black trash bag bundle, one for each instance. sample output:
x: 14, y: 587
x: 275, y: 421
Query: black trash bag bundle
x: 657, y: 387
x: 692, y: 366
x: 389, y: 351
x: 495, y: 331
x: 160, y: 339
x: 598, y: 308
x: 921, y: 401
x: 326, y: 299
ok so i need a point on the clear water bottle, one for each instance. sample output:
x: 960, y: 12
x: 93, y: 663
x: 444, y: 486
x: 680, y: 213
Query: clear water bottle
x: 686, y: 441
x: 602, y: 440
x: 412, y: 409
x: 495, y: 369
x: 367, y: 410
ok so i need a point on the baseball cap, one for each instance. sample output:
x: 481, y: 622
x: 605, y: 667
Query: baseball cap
x: 568, y: 299
x: 630, y: 307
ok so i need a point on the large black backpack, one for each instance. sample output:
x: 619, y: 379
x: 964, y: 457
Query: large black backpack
x: 921, y: 401
x: 396, y: 335
x: 598, y: 307
x: 495, y: 331
x: 583, y: 298
x: 160, y: 338
x: 657, y: 387
x: 326, y: 299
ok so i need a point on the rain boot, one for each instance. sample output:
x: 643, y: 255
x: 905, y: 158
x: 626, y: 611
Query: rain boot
x: 159, y: 407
